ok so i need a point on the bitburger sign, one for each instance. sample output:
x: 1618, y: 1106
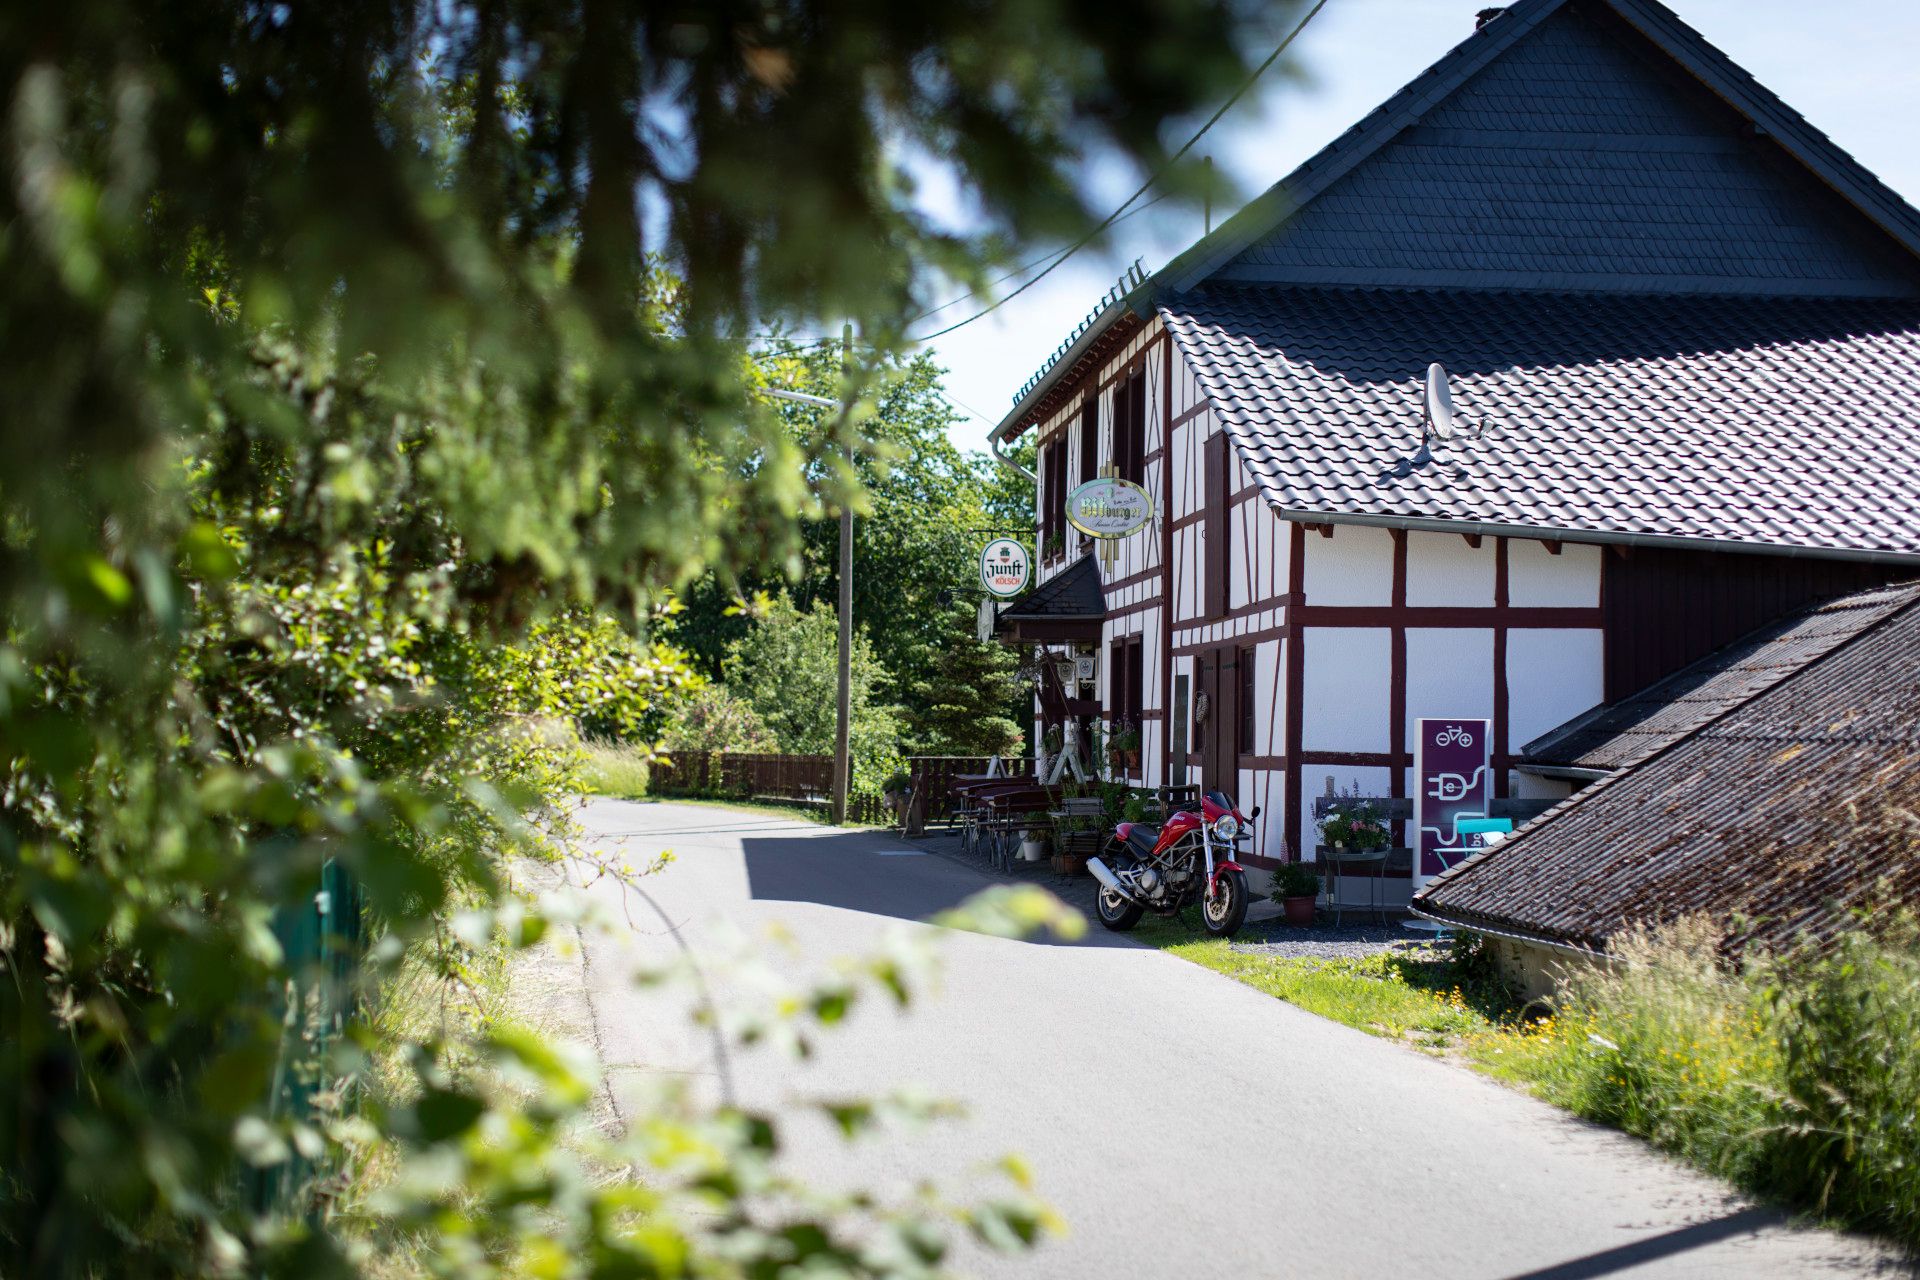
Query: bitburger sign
x: 1003, y: 568
x: 1108, y: 507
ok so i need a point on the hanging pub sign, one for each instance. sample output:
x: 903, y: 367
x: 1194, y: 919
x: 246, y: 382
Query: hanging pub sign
x: 1108, y: 507
x: 1004, y: 566
x: 1450, y: 759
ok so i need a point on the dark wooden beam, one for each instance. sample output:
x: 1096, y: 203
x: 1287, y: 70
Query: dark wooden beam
x: 1473, y: 540
x: 1552, y: 545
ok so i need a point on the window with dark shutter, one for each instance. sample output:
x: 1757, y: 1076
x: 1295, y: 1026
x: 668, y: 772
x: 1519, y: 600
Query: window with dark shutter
x: 1247, y: 685
x: 1216, y: 528
x: 1053, y: 505
x: 1136, y: 682
x: 1089, y: 446
x: 1130, y: 427
x: 1126, y: 687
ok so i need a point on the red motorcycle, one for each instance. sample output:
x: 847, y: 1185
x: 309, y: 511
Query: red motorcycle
x: 1188, y: 860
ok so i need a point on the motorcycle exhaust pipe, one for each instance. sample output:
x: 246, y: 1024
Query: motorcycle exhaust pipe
x: 1107, y: 878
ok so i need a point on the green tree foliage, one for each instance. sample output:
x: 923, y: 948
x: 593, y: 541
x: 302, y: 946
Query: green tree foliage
x: 712, y: 719
x: 967, y: 705
x: 920, y: 522
x: 335, y: 362
x: 787, y: 668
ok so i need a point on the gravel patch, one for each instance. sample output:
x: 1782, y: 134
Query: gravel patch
x: 1327, y: 941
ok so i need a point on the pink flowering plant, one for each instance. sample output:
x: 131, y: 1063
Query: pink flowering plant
x: 1355, y: 824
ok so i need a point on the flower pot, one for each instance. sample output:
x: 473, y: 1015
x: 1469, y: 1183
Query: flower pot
x: 1133, y: 759
x: 1033, y: 848
x: 1299, y: 911
x: 1069, y: 864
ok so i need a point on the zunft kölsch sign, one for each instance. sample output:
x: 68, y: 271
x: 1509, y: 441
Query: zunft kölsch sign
x: 1004, y: 566
x: 1108, y: 508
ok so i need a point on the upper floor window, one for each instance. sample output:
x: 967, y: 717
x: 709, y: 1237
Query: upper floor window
x: 1249, y: 685
x: 1089, y: 445
x: 1053, y: 498
x: 1130, y: 426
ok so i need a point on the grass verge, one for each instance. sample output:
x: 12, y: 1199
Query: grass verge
x: 1797, y: 1078
x: 613, y: 769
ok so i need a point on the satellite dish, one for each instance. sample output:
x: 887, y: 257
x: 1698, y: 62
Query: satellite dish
x: 1440, y: 420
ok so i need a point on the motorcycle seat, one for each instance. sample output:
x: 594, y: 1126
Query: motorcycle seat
x: 1141, y: 838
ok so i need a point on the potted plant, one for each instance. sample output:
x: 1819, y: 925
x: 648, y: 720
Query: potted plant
x: 1124, y: 749
x: 1053, y: 547
x: 1356, y: 825
x: 1295, y: 887
x: 1033, y: 844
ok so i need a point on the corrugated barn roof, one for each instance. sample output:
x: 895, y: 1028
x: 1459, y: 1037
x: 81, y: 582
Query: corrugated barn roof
x: 1800, y: 801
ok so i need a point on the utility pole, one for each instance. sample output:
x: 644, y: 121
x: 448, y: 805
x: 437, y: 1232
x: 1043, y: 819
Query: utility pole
x: 842, y: 730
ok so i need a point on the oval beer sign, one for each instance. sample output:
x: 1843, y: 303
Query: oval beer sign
x: 1108, y: 507
x: 1003, y: 568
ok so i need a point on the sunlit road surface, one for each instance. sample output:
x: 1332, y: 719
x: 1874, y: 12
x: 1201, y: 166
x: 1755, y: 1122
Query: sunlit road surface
x: 1184, y: 1125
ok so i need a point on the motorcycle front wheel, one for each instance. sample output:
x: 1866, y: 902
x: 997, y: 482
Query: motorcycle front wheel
x: 1116, y: 911
x: 1226, y: 910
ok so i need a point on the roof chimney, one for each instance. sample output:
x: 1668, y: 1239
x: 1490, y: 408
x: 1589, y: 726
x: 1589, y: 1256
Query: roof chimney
x: 1485, y: 16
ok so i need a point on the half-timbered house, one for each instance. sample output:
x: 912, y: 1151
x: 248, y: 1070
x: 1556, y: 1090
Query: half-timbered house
x: 1683, y: 323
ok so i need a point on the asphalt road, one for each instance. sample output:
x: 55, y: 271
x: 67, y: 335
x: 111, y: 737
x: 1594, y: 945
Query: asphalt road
x: 1184, y: 1125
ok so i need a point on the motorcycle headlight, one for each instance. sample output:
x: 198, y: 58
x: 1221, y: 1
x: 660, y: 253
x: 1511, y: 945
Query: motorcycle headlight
x: 1227, y: 828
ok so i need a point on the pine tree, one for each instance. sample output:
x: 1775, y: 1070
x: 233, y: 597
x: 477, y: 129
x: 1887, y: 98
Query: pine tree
x: 968, y: 703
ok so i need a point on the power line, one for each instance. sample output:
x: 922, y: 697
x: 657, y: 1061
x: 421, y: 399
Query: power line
x: 971, y: 293
x: 1056, y: 253
x: 1159, y: 173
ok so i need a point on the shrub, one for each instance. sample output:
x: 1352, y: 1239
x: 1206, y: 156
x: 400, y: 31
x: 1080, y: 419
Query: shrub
x: 711, y: 718
x: 1294, y: 880
x: 1794, y: 1076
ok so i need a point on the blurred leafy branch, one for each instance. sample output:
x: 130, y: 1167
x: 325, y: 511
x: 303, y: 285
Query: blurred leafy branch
x: 361, y: 362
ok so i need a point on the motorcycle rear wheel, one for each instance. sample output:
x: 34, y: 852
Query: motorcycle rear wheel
x: 1226, y: 910
x: 1116, y: 911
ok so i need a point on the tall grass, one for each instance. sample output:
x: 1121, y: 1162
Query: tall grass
x: 1796, y: 1077
x: 614, y: 769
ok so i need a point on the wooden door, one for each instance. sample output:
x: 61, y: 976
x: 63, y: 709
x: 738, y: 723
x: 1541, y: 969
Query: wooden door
x: 1220, y: 681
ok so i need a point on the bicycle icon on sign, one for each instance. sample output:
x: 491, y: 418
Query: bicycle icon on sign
x: 1451, y: 735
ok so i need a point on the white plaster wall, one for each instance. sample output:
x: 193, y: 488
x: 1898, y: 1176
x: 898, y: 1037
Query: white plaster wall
x: 1536, y: 578
x: 1527, y: 786
x: 1443, y: 570
x: 1240, y: 530
x: 1345, y: 696
x: 1354, y: 566
x: 1269, y: 698
x: 1266, y: 789
x: 1552, y: 676
x: 1449, y: 673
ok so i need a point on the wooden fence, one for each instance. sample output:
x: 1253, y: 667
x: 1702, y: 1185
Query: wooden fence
x: 752, y: 775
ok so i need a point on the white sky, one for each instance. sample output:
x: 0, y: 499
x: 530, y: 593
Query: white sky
x: 1848, y: 66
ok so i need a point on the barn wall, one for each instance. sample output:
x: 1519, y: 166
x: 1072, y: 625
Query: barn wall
x: 1666, y: 608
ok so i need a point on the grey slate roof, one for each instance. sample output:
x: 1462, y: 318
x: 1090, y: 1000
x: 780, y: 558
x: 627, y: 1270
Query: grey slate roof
x: 1073, y: 593
x: 1573, y: 144
x: 1785, y: 810
x: 1625, y: 733
x: 1770, y: 422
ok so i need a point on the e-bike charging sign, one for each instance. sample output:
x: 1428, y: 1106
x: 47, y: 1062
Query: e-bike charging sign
x: 1450, y: 759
